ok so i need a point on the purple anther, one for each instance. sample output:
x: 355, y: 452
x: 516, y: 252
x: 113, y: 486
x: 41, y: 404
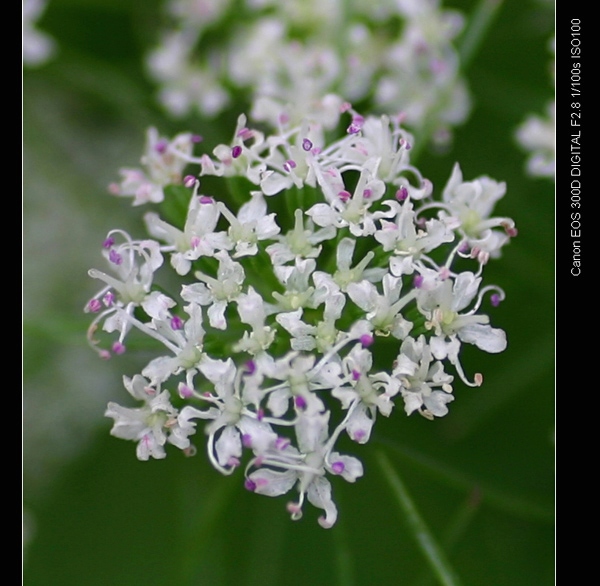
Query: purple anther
x: 246, y: 440
x: 161, y: 146
x: 118, y: 348
x: 289, y: 165
x: 344, y: 195
x: 250, y: 366
x: 94, y: 306
x: 197, y: 138
x: 260, y: 414
x: 108, y: 242
x: 418, y: 281
x: 249, y: 484
x: 338, y: 467
x: 367, y: 193
x: 355, y: 375
x: 108, y: 299
x: 195, y: 242
x: 236, y: 151
x: 189, y: 181
x: 464, y: 247
x: 307, y: 144
x: 402, y: 194
x: 115, y: 257
x: 300, y: 402
x: 205, y: 199
x: 185, y: 392
x: 345, y: 107
x: 495, y: 299
x: 356, y: 125
x: 104, y: 354
x: 176, y: 323
x: 366, y: 340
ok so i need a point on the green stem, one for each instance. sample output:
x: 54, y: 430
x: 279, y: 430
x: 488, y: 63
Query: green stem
x: 423, y: 536
x: 457, y: 526
x: 480, y: 22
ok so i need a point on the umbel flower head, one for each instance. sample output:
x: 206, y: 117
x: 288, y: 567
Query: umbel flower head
x: 396, y: 54
x: 319, y: 276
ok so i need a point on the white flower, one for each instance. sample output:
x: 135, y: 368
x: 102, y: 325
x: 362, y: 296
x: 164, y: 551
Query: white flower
x: 198, y: 237
x: 300, y: 328
x: 442, y: 305
x: 322, y: 336
x: 233, y: 425
x: 298, y: 292
x: 419, y: 376
x: 537, y: 135
x: 345, y: 273
x: 217, y: 292
x: 363, y: 393
x: 185, y: 343
x: 163, y: 161
x: 407, y: 239
x: 279, y: 470
x: 383, y: 310
x: 472, y: 203
x: 299, y: 242
x: 149, y: 424
x: 134, y: 263
x: 253, y: 311
x: 349, y: 210
x: 251, y: 225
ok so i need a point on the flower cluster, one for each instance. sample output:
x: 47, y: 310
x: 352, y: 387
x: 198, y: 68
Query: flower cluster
x: 397, y: 54
x: 318, y: 285
x: 537, y: 135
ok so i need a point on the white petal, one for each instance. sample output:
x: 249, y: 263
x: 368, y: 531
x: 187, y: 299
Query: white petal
x: 485, y: 337
x: 229, y: 445
x: 271, y: 483
x: 319, y: 494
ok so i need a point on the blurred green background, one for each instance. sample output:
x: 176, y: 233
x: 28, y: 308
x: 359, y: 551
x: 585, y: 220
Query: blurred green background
x: 482, y: 478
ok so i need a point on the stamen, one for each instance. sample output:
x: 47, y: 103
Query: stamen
x: 118, y: 348
x: 402, y: 193
x: 94, y: 306
x: 176, y: 323
x: 189, y: 181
